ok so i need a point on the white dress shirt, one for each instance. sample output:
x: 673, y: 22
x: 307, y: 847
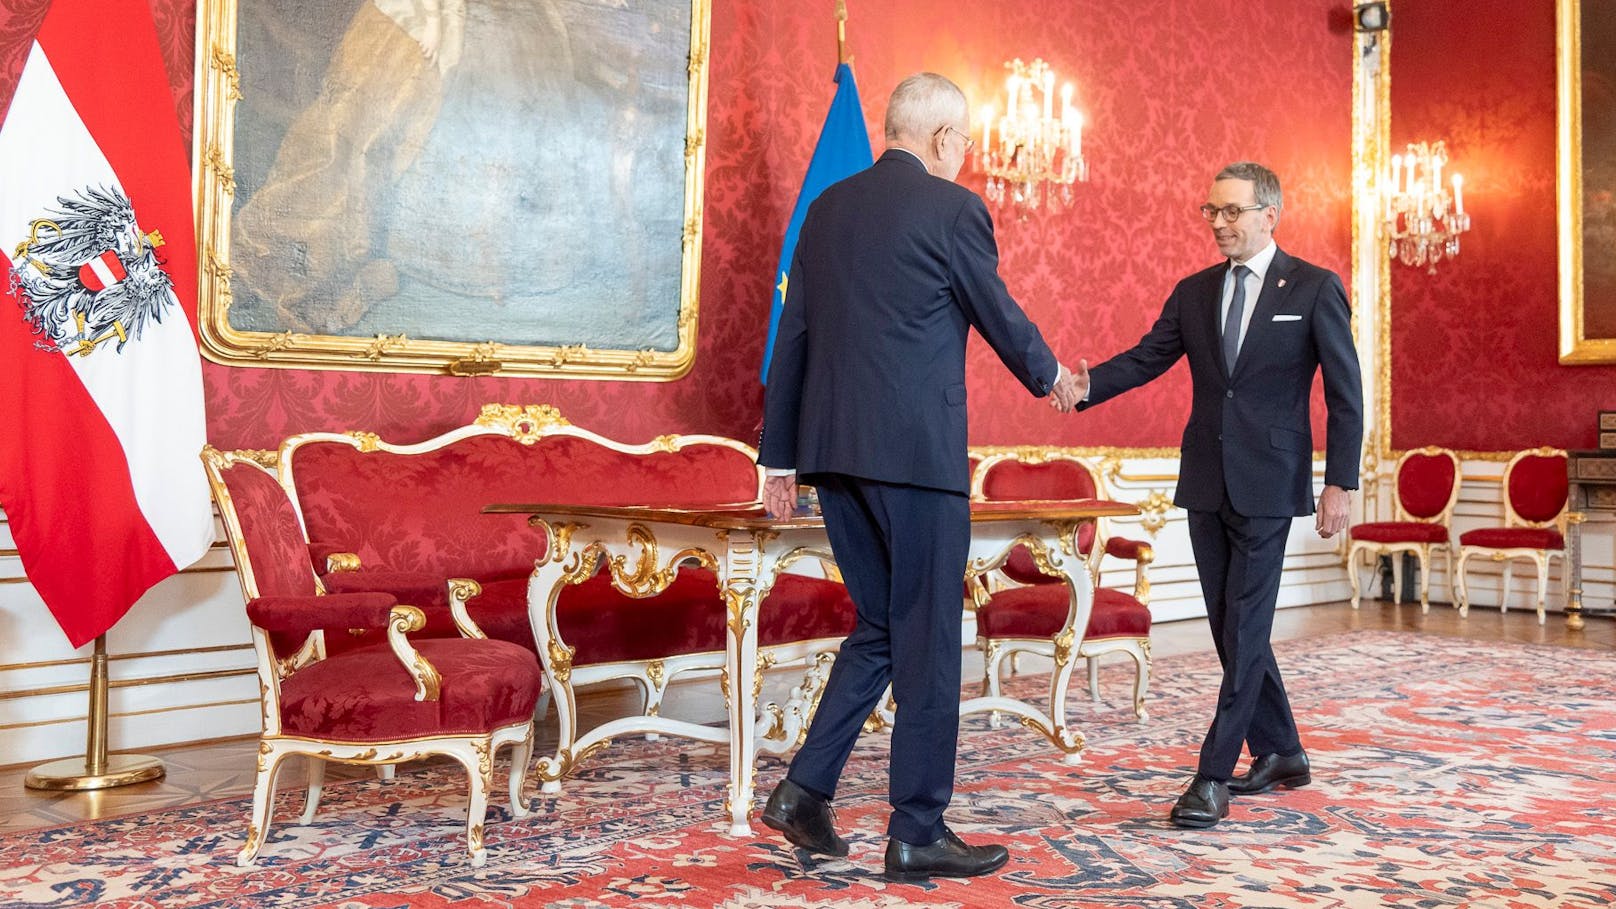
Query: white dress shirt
x: 1254, y: 282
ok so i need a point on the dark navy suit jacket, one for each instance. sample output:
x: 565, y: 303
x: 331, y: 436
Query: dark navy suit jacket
x: 893, y: 267
x: 1250, y: 433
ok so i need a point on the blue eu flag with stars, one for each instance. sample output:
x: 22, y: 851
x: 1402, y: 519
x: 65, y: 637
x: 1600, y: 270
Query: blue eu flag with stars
x: 843, y: 150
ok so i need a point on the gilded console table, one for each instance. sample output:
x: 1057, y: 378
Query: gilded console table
x: 1592, y: 476
x: 748, y: 550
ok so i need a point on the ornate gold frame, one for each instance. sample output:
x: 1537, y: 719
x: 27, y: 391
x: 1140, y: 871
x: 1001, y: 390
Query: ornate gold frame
x: 1575, y: 346
x: 218, y: 88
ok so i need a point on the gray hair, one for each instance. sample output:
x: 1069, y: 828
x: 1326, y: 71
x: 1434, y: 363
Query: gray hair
x: 1263, y: 180
x: 921, y: 105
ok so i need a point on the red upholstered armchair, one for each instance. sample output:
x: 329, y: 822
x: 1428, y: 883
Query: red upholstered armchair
x: 1535, y: 516
x: 1425, y: 489
x: 1026, y: 610
x: 379, y: 704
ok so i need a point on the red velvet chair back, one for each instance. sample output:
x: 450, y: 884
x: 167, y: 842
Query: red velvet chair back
x: 270, y: 533
x: 1053, y: 476
x: 266, y: 539
x: 349, y: 491
x: 1535, y: 487
x: 1426, y: 483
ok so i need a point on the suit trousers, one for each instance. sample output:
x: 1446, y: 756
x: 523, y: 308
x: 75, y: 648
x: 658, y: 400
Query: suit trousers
x: 901, y: 550
x: 1239, y: 559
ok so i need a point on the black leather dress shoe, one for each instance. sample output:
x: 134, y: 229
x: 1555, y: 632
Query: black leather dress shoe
x: 804, y: 818
x: 1203, y: 804
x: 1272, y: 771
x: 948, y: 857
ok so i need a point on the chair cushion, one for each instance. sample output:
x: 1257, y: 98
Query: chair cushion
x: 1514, y: 538
x: 688, y: 617
x: 1039, y: 611
x: 1400, y: 532
x: 366, y: 696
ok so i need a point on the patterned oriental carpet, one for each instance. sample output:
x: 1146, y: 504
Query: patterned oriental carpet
x: 1446, y: 773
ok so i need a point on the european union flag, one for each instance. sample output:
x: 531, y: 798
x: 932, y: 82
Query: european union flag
x: 843, y: 150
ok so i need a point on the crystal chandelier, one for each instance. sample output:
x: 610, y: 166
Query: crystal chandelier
x: 1031, y: 156
x: 1423, y: 220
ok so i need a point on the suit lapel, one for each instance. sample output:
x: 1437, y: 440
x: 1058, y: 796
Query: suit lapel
x: 1214, y: 305
x: 1275, y: 288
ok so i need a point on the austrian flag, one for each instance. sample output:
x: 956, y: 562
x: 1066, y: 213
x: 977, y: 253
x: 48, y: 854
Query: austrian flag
x: 101, y: 417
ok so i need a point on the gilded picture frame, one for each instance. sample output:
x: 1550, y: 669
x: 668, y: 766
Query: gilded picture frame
x: 511, y: 266
x: 1586, y: 143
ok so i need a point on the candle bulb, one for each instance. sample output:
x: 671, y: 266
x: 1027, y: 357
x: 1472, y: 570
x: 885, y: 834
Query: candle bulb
x: 1049, y: 94
x: 987, y: 130
x: 1077, y: 134
x: 1015, y: 91
x: 1458, y: 194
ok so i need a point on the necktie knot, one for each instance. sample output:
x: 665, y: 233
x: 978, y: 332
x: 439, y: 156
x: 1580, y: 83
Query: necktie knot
x: 1241, y: 272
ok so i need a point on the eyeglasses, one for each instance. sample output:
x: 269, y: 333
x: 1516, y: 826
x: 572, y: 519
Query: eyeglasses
x: 1231, y: 213
x: 969, y: 142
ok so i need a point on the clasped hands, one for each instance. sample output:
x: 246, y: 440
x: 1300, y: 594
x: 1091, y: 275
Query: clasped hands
x: 1071, y: 387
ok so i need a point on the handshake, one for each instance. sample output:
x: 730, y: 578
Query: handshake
x: 1070, y: 387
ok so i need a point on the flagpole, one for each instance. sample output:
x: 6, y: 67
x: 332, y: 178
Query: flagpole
x: 97, y: 769
x: 841, y: 32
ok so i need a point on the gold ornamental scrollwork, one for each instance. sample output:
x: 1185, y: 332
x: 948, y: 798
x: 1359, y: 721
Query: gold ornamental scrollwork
x: 646, y: 579
x: 1153, y: 510
x: 560, y: 659
x: 525, y: 423
x: 1057, y: 736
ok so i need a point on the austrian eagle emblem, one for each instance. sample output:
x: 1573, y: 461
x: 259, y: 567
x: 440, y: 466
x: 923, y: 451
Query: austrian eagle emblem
x: 87, y: 274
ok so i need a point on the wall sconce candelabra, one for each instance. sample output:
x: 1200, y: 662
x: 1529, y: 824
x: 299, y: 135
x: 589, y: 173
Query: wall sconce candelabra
x: 1033, y: 154
x: 1423, y: 220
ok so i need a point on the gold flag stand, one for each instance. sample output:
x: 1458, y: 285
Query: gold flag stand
x: 97, y: 769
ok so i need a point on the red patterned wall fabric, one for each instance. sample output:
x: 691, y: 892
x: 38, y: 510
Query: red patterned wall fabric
x: 1172, y: 92
x: 1480, y: 337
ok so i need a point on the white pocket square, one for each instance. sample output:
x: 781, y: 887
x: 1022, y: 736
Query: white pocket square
x: 1287, y: 318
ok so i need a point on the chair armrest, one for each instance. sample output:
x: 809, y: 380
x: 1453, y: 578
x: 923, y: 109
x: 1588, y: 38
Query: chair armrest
x: 461, y: 590
x: 1132, y: 550
x: 327, y: 557
x: 1141, y: 554
x: 354, y: 610
x: 418, y: 588
x: 311, y: 613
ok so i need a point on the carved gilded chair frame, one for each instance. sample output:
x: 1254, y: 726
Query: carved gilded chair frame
x: 474, y: 752
x: 218, y: 89
x: 1541, y: 559
x: 1423, y: 551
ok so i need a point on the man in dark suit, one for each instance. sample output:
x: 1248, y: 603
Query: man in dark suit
x: 866, y: 401
x: 1255, y: 330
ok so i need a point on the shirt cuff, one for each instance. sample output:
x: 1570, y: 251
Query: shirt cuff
x: 779, y: 471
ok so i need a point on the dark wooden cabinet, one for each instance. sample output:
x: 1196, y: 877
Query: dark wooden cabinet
x: 1592, y: 475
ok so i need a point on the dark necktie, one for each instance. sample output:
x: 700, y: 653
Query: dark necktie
x: 1231, y: 324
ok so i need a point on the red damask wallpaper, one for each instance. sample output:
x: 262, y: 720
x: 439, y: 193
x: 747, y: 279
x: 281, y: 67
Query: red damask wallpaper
x: 1172, y: 92
x: 1483, y: 329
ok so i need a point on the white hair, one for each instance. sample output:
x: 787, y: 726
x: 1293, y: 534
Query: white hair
x: 923, y: 104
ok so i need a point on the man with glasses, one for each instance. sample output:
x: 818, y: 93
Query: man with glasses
x: 1255, y: 328
x: 866, y: 400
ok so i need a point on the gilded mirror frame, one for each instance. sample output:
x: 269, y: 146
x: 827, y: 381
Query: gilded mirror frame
x: 218, y: 89
x: 1576, y: 347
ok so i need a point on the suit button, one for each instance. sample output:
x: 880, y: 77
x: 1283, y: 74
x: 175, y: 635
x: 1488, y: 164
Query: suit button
x: 1229, y: 393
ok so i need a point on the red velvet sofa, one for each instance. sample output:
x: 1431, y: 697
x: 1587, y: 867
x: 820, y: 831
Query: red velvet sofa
x: 407, y: 520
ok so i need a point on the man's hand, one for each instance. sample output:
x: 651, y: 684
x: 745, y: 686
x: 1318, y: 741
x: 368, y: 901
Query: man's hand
x: 1070, y: 388
x: 1335, y: 504
x: 780, y: 495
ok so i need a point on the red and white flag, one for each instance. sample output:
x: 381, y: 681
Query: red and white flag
x: 101, y: 414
